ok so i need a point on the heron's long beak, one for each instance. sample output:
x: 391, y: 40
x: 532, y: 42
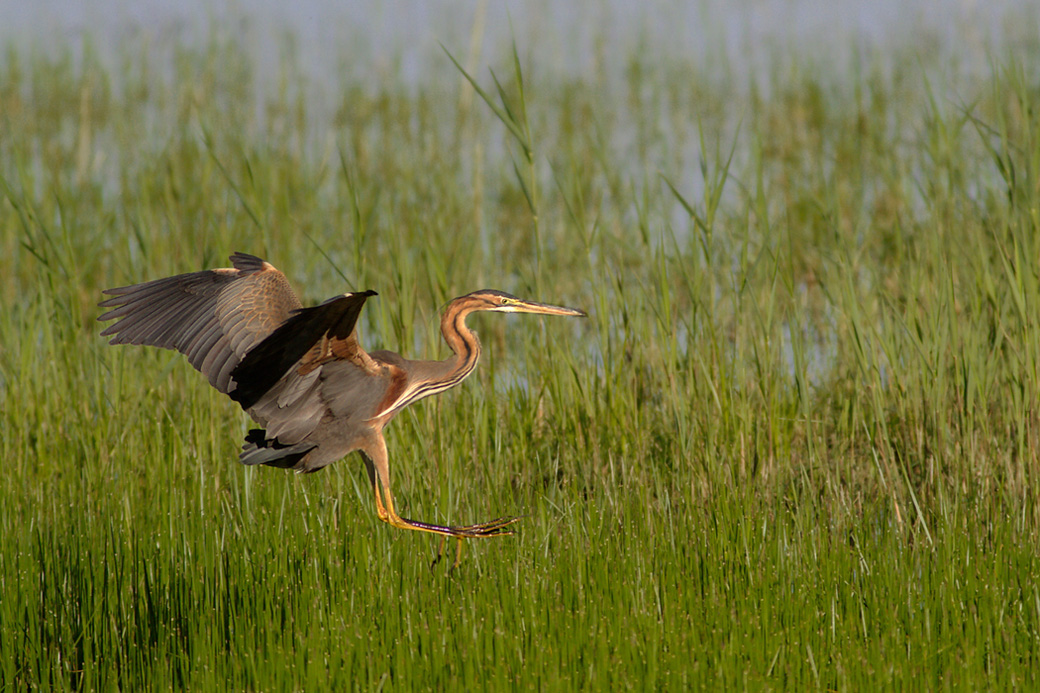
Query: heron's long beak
x: 542, y: 309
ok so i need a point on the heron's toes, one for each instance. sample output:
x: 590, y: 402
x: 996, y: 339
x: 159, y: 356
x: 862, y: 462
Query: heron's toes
x: 484, y: 529
x: 487, y: 529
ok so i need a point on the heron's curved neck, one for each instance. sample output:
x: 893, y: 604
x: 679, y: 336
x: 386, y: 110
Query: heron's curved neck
x: 463, y: 341
x: 431, y: 377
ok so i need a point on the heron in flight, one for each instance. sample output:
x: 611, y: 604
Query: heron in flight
x: 301, y: 372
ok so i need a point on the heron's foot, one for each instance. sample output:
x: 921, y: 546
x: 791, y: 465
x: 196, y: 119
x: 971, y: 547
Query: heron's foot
x: 494, y: 528
x: 485, y: 529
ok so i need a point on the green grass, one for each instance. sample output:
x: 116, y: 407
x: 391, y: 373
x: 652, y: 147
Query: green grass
x: 796, y: 444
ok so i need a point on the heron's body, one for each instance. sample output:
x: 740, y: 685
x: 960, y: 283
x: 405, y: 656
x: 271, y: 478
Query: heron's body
x: 300, y: 372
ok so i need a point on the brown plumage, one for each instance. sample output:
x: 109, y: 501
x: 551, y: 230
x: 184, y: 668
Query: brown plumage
x: 300, y: 372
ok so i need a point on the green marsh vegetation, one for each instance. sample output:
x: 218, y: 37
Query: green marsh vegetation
x: 795, y: 445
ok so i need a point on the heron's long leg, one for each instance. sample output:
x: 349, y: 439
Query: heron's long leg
x: 370, y: 467
x: 378, y: 466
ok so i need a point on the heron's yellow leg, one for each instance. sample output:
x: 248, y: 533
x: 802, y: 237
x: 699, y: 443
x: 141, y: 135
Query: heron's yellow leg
x: 380, y: 508
x: 379, y: 473
x: 388, y: 513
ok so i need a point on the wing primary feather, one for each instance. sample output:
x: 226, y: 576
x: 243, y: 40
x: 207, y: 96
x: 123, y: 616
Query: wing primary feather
x: 246, y: 263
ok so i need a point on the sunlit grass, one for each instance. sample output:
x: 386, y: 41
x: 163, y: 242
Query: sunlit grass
x: 794, y: 445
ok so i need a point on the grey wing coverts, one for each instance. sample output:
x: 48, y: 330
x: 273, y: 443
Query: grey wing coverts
x: 213, y: 317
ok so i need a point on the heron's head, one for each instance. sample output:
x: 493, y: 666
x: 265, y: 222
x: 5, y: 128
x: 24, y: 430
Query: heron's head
x: 501, y: 302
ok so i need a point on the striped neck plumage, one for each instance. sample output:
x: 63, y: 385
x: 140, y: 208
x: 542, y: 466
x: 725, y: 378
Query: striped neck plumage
x: 461, y: 340
x: 443, y: 375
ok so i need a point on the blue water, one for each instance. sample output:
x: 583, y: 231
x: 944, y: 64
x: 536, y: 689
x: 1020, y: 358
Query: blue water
x: 400, y: 39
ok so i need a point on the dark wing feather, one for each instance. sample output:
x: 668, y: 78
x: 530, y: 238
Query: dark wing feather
x: 213, y: 317
x: 310, y: 337
x: 258, y: 449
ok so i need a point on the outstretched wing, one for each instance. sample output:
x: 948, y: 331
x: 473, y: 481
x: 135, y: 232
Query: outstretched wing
x: 245, y: 330
x: 214, y: 317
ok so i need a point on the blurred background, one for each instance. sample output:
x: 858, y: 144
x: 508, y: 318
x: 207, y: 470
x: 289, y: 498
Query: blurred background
x: 399, y: 40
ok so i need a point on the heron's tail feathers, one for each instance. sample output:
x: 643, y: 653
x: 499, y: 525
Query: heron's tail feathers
x: 259, y: 449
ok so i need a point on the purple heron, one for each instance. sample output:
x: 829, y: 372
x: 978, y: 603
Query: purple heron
x: 301, y: 372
